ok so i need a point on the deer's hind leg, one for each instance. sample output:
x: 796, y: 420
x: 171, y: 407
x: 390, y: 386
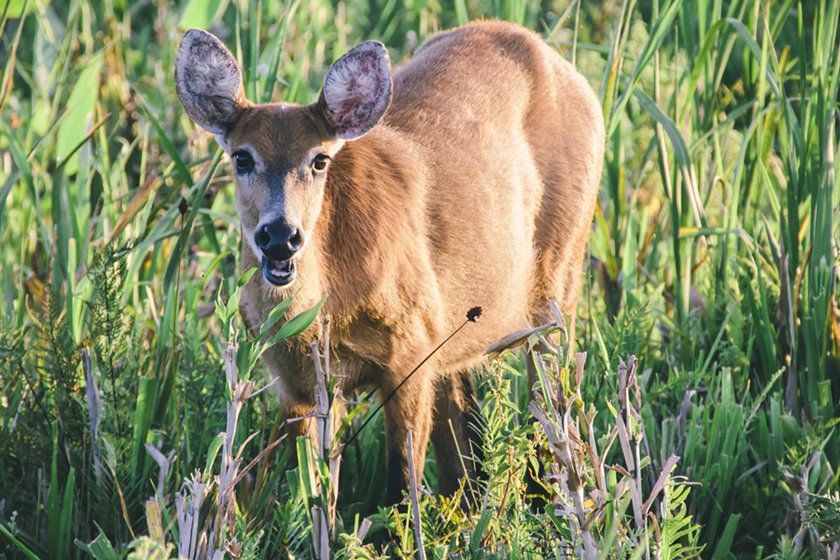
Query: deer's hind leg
x: 456, y: 434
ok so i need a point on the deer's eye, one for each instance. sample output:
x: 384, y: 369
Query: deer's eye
x: 319, y: 162
x: 244, y: 162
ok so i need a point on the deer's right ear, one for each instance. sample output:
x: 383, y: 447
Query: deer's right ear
x: 208, y: 81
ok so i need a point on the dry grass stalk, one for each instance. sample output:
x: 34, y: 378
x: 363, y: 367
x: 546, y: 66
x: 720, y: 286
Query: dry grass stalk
x: 327, y: 416
x: 240, y: 391
x: 154, y: 522
x: 557, y: 410
x: 320, y: 533
x: 94, y: 402
x: 364, y: 527
x: 164, y: 462
x: 195, y: 542
x: 415, y: 499
x: 563, y: 437
x: 320, y: 526
x: 627, y: 423
x: 561, y: 434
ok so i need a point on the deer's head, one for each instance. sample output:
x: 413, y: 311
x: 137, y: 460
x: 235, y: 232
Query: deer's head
x: 281, y: 152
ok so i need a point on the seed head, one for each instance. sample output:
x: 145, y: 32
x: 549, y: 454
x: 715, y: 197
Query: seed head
x: 473, y: 314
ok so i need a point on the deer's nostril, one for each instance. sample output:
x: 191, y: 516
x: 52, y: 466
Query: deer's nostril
x: 263, y: 238
x: 295, y: 241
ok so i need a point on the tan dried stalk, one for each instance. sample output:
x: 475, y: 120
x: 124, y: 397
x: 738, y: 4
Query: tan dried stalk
x: 415, y: 499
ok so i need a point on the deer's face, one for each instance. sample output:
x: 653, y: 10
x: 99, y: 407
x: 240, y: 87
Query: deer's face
x: 281, y: 154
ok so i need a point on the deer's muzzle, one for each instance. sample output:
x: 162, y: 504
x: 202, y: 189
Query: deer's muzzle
x: 278, y: 242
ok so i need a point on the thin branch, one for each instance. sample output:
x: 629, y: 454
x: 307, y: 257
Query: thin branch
x: 472, y: 316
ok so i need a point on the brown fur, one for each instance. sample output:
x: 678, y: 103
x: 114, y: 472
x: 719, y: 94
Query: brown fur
x: 477, y: 188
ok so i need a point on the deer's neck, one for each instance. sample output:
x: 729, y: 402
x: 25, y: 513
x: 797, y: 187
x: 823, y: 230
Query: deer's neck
x: 373, y: 202
x: 371, y: 222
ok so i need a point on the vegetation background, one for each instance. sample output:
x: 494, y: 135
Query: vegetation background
x: 703, y: 420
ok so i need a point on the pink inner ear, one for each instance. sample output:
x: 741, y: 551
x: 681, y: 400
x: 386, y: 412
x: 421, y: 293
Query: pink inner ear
x: 345, y: 111
x: 357, y: 90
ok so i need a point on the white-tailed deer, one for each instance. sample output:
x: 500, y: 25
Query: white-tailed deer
x: 469, y: 179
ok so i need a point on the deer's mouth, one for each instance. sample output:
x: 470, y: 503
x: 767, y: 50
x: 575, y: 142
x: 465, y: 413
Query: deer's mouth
x: 279, y: 273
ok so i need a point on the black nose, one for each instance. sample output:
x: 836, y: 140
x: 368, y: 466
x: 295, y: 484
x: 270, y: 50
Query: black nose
x: 278, y: 240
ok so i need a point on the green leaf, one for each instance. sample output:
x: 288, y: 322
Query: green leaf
x: 215, y: 445
x: 298, y: 324
x: 79, y: 115
x: 246, y: 277
x: 480, y: 530
x: 661, y: 29
x: 66, y: 520
x: 629, y: 255
x: 142, y: 420
x: 722, y: 550
x: 168, y: 146
x: 276, y: 314
x: 15, y: 8
x: 100, y: 548
x: 202, y: 13
x: 15, y: 541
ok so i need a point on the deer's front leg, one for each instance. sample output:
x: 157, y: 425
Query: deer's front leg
x: 299, y: 422
x: 410, y: 409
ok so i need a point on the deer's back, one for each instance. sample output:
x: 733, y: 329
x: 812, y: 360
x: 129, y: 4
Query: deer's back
x: 512, y: 139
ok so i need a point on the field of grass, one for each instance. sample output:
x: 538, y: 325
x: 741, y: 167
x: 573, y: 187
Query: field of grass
x: 703, y: 419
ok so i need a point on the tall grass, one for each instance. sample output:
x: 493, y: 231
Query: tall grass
x: 714, y: 261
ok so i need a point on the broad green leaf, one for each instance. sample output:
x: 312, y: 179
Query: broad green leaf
x: 246, y: 277
x: 215, y: 445
x: 724, y: 544
x: 100, y: 548
x: 298, y: 324
x: 79, y: 115
x: 202, y: 13
x: 480, y: 530
x: 15, y: 8
x: 276, y: 314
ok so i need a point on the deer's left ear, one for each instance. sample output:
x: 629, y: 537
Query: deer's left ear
x: 357, y: 90
x: 208, y: 81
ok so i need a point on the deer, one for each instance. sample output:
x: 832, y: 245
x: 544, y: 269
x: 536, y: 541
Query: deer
x: 467, y: 177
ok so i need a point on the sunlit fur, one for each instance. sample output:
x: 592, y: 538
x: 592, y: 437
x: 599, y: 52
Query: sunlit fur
x: 477, y: 188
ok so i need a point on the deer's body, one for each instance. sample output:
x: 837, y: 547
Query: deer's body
x: 476, y: 187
